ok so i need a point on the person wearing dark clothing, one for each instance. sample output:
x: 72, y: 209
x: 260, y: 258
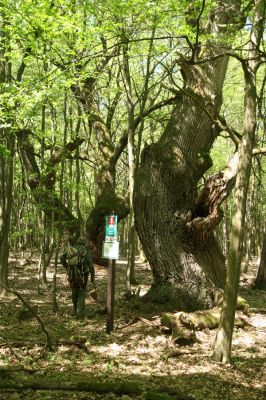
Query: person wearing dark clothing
x: 79, y: 265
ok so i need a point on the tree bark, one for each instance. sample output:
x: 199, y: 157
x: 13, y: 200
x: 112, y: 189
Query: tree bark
x: 249, y: 225
x: 174, y: 224
x: 260, y: 282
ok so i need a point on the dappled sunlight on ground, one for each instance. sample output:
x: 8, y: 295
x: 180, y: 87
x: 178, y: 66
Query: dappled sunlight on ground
x: 138, y: 350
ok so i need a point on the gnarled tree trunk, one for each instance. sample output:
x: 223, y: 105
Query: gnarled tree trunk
x: 174, y: 224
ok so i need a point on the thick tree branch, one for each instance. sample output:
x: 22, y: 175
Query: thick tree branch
x: 259, y: 150
x: 207, y: 213
x: 62, y: 152
x: 22, y: 66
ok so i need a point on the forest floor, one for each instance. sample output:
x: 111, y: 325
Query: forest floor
x: 138, y: 351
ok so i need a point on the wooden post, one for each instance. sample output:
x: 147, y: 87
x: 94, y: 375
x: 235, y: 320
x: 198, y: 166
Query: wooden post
x: 110, y: 296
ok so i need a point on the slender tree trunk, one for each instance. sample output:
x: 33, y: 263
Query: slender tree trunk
x: 77, y: 189
x: 258, y: 226
x: 55, y: 306
x: 248, y: 227
x: 247, y: 258
x: 225, y: 229
x: 130, y: 276
x: 260, y: 282
x: 223, y: 342
x: 123, y: 236
x: 7, y: 150
x: 45, y: 259
x: 6, y: 185
x: 42, y: 279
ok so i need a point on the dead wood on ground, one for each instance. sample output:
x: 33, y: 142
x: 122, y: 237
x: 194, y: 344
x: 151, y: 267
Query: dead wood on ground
x: 126, y: 388
x: 181, y: 323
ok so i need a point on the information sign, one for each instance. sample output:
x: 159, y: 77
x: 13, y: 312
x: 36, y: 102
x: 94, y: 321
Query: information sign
x: 111, y: 250
x: 110, y: 228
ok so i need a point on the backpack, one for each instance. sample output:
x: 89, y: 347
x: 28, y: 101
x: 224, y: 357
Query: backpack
x: 77, y: 268
x: 72, y: 256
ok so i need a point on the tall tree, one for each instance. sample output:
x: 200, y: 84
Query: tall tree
x: 223, y: 342
x: 7, y: 150
x: 174, y: 223
x: 131, y: 166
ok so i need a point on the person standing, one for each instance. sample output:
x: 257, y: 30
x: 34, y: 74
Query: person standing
x: 78, y: 262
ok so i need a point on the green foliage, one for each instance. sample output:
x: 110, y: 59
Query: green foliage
x: 4, y: 152
x: 63, y: 45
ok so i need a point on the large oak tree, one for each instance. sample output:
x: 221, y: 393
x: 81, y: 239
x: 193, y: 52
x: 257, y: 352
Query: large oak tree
x: 174, y: 222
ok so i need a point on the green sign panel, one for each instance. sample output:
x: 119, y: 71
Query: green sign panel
x: 111, y: 227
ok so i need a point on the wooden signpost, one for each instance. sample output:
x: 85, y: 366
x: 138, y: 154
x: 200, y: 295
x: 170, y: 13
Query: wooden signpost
x: 111, y: 252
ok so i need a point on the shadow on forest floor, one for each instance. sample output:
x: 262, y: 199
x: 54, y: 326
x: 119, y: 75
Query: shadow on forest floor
x: 137, y: 351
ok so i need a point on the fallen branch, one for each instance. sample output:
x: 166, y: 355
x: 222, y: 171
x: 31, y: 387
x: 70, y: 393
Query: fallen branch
x: 96, y: 387
x: 31, y: 309
x: 83, y: 386
x: 180, y: 333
